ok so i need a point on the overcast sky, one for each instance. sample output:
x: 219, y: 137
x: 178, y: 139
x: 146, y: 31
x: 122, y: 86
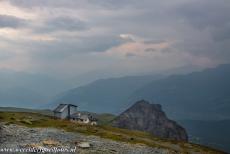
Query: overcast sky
x: 72, y: 37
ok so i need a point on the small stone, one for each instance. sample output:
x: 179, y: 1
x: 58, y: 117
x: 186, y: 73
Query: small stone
x: 83, y: 145
x: 50, y: 143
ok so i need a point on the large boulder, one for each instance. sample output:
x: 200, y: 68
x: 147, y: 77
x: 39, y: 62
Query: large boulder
x: 148, y: 117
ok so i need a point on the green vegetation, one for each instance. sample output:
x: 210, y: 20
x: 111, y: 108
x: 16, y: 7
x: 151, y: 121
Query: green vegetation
x: 14, y: 109
x: 104, y: 131
x: 105, y: 118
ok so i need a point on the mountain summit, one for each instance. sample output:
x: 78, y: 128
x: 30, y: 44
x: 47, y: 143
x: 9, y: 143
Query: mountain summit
x: 148, y: 117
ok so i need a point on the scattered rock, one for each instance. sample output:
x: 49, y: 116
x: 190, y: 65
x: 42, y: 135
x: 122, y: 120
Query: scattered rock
x: 50, y: 143
x: 83, y: 145
x: 33, y: 145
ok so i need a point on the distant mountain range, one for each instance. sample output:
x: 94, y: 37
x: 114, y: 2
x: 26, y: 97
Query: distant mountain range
x: 20, y: 89
x: 35, y: 90
x: 198, y: 95
x: 104, y: 95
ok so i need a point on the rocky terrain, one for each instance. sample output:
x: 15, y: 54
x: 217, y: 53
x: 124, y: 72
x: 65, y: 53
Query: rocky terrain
x: 148, y: 117
x: 39, y: 132
x: 16, y: 137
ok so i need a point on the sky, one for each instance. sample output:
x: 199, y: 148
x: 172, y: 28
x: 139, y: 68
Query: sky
x: 67, y: 38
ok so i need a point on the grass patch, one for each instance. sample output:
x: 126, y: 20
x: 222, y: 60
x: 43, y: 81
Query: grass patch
x: 26, y: 121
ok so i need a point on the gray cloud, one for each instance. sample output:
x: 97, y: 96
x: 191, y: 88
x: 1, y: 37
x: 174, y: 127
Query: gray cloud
x: 206, y: 13
x: 209, y: 15
x: 110, y: 4
x: 62, y: 24
x: 130, y: 55
x: 196, y: 29
x: 211, y: 21
x: 7, y: 21
x: 66, y: 47
x: 46, y: 3
x: 222, y: 33
x: 150, y: 50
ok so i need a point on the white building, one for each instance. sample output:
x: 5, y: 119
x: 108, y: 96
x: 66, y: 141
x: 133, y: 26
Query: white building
x: 84, y: 118
x: 69, y: 111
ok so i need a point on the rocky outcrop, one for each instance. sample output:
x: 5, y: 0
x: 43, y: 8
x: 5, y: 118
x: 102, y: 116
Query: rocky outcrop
x: 148, y: 117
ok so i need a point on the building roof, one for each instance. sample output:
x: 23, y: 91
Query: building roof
x: 61, y: 107
x: 72, y: 105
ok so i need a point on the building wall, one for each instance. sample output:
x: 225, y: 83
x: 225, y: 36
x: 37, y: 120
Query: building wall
x: 64, y: 114
x: 57, y: 114
x: 73, y: 110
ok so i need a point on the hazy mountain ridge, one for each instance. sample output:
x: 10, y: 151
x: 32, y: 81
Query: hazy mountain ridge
x: 104, y: 95
x: 199, y: 95
x: 21, y: 89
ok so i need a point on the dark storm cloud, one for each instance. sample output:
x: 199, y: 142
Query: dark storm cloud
x: 7, y: 21
x: 222, y: 34
x: 211, y: 19
x: 208, y: 15
x: 203, y: 14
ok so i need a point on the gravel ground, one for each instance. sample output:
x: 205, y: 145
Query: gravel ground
x: 18, y: 137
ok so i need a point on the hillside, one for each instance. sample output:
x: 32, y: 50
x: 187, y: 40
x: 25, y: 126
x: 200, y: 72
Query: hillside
x: 21, y: 89
x: 105, y: 95
x: 14, y: 109
x: 199, y: 95
x: 103, y: 118
x: 34, y: 120
x: 211, y: 133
